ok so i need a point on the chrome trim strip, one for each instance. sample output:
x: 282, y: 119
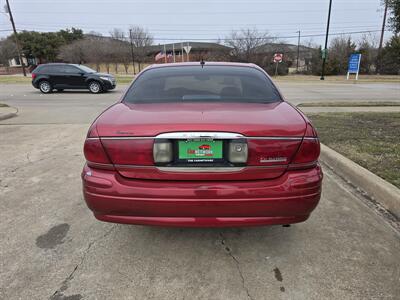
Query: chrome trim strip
x: 274, y: 138
x: 199, y: 134
x: 310, y: 138
x: 127, y: 138
x: 200, y: 169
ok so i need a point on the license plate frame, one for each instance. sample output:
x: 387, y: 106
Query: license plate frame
x: 200, y: 151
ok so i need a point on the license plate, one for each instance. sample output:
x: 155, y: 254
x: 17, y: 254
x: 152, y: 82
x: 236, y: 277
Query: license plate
x: 200, y: 150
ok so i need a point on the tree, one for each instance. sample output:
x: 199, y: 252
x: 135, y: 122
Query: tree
x: 368, y: 49
x: 7, y: 51
x: 245, y: 43
x: 141, y: 40
x: 391, y: 57
x: 76, y: 52
x: 394, y: 19
x: 338, y: 55
x: 119, y: 45
x: 45, y: 45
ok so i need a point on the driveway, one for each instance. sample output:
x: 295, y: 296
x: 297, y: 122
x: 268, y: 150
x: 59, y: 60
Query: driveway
x: 52, y: 247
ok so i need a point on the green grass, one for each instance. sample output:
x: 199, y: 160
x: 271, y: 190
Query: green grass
x: 14, y: 79
x: 370, y: 139
x: 340, y: 79
x: 124, y: 79
x: 349, y: 104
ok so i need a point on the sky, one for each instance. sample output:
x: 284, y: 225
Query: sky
x: 205, y: 20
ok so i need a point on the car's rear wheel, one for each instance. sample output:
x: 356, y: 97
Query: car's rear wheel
x: 45, y: 87
x: 95, y: 87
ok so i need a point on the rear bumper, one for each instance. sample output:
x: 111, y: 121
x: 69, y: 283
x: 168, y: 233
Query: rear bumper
x: 284, y: 200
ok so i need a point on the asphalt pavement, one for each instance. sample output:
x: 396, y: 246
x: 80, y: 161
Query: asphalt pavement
x: 52, y: 247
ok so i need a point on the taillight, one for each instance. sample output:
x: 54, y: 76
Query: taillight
x: 237, y: 151
x: 130, y: 151
x: 94, y: 152
x: 309, y: 150
x: 33, y: 75
x: 163, y: 151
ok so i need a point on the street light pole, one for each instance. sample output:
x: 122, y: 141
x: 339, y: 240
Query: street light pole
x: 132, y: 54
x: 325, y: 53
x: 298, y: 52
x: 16, y: 38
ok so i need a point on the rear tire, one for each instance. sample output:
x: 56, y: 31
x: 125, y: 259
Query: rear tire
x: 95, y: 87
x: 45, y: 87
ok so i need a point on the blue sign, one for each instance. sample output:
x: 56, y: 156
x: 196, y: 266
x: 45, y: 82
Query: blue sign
x: 354, y: 63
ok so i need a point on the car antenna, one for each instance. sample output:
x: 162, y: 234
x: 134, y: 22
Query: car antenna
x: 202, y: 63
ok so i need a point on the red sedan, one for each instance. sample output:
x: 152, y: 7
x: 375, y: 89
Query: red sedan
x: 143, y: 166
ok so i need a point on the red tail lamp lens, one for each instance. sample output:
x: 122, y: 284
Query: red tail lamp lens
x: 94, y: 152
x: 308, y: 152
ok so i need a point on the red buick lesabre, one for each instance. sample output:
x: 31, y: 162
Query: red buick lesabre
x: 202, y: 144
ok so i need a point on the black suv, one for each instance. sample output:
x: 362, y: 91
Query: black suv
x: 48, y: 77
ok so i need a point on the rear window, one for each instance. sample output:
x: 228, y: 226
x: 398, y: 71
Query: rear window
x: 210, y: 83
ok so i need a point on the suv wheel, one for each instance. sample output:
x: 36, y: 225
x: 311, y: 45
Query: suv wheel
x: 95, y: 87
x: 45, y: 87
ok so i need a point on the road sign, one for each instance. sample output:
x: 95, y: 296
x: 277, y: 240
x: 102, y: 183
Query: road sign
x: 278, y: 57
x: 354, y: 65
x: 187, y: 49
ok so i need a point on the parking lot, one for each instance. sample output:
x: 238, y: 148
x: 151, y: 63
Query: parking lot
x: 53, y: 248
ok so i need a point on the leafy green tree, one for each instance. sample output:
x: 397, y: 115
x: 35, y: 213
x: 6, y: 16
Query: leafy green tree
x: 45, y: 45
x: 394, y: 19
x: 391, y: 57
x: 7, y: 51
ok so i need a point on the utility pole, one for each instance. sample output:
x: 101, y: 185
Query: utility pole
x: 16, y: 38
x: 378, y: 63
x: 132, y: 54
x: 298, y: 52
x: 325, y: 52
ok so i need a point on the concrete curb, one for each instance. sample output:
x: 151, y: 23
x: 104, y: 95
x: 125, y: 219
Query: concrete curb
x: 378, y: 189
x: 12, y: 112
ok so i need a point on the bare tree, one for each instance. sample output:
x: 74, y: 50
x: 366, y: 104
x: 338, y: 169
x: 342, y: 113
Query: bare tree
x: 76, y: 52
x: 245, y: 43
x: 339, y: 51
x: 141, y: 40
x: 117, y: 34
x: 368, y: 47
x: 119, y: 43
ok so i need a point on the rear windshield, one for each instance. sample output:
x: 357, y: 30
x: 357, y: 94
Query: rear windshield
x: 210, y: 83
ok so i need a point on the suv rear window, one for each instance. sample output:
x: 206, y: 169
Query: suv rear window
x: 210, y: 83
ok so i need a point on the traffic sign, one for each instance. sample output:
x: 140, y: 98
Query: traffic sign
x: 187, y: 49
x: 278, y: 57
x: 354, y: 65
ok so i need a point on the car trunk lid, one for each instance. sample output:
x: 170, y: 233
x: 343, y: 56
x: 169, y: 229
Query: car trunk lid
x: 273, y: 133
